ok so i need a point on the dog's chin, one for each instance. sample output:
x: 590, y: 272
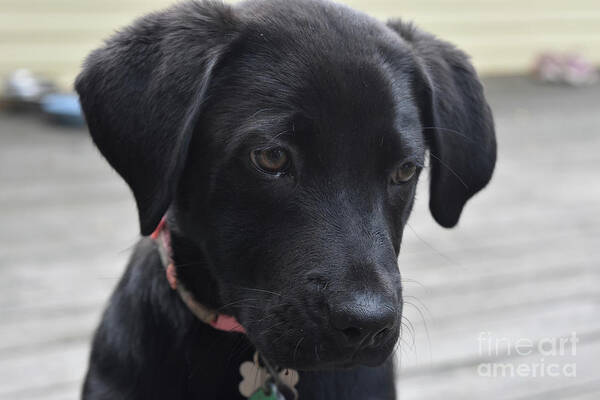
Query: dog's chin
x: 313, y: 361
x: 312, y: 364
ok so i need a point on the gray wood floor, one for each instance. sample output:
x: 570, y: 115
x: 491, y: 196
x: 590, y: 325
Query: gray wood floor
x: 524, y: 264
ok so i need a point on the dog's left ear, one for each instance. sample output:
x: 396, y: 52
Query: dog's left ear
x: 143, y: 92
x: 457, y: 123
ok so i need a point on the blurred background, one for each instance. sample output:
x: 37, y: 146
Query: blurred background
x: 503, y: 36
x: 488, y: 304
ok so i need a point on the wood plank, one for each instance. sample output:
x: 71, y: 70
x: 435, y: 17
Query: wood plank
x: 466, y: 383
x: 48, y: 370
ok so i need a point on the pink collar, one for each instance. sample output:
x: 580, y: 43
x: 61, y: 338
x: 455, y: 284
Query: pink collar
x: 222, y: 322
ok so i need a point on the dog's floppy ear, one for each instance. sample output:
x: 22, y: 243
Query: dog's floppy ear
x: 457, y: 120
x: 142, y: 94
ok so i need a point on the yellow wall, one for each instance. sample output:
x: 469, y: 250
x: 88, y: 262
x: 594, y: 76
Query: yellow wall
x: 503, y: 36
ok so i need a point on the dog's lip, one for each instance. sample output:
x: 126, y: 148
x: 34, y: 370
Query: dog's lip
x: 370, y: 357
x: 320, y: 366
x: 347, y: 361
x: 351, y: 360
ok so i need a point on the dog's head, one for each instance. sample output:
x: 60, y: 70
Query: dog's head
x: 286, y: 138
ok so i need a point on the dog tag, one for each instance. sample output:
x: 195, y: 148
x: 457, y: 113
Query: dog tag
x: 254, y: 377
x: 289, y: 377
x: 257, y: 382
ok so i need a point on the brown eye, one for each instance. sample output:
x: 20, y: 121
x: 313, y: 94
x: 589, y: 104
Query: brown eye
x: 403, y: 173
x: 273, y: 160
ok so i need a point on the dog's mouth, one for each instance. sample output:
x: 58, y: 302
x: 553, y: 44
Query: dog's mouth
x: 323, y: 330
x: 306, y: 361
x: 309, y: 350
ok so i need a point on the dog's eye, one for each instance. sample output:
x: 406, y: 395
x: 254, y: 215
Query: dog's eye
x: 273, y: 160
x: 403, y: 173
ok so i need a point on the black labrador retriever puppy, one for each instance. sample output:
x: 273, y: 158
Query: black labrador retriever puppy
x: 276, y: 145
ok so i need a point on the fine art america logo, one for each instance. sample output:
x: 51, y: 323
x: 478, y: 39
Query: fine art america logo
x: 524, y: 357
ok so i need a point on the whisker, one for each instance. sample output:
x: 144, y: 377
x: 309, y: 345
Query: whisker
x: 423, y: 319
x: 259, y: 290
x: 297, y: 347
x: 439, y: 253
x: 278, y: 338
x: 408, y: 325
x: 429, y: 314
x: 407, y: 280
x: 449, y: 169
x: 458, y: 133
x: 271, y: 327
x: 233, y: 303
x: 260, y: 111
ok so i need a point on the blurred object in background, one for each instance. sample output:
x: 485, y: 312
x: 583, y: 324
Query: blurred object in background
x: 25, y: 92
x: 63, y: 109
x: 571, y: 69
x: 502, y: 36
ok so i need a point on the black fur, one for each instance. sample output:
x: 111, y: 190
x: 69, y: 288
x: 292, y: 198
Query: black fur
x: 305, y: 260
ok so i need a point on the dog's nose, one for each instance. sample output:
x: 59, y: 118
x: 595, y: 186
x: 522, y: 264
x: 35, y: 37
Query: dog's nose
x: 364, y: 321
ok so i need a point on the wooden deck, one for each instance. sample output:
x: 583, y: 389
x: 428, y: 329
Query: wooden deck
x: 523, y: 265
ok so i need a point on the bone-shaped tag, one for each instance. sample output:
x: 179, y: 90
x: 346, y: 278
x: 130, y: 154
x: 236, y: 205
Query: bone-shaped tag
x: 254, y: 377
x: 289, y: 377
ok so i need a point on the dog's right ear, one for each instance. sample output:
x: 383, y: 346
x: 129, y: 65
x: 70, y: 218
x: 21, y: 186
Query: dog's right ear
x: 142, y: 94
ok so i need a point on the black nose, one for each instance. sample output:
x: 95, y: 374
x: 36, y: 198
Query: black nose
x: 364, y: 321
